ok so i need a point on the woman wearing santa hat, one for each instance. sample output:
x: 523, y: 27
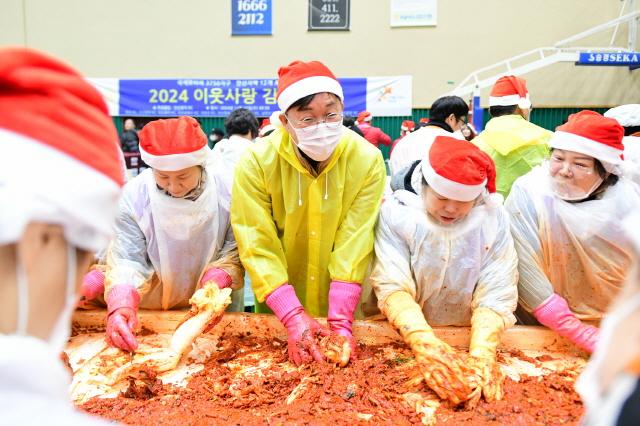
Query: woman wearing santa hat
x: 60, y: 179
x: 305, y: 201
x: 566, y: 219
x: 172, y: 232
x: 444, y: 256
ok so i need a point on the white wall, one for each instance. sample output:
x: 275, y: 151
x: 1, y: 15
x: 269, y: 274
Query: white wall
x: 191, y: 38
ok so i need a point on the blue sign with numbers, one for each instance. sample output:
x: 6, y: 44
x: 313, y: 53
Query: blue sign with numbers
x: 216, y: 98
x: 629, y: 59
x: 251, y: 17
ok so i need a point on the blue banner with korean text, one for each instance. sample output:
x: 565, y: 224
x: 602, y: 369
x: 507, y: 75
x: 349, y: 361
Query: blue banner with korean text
x: 630, y: 59
x: 216, y: 98
x: 251, y: 17
x: 206, y: 97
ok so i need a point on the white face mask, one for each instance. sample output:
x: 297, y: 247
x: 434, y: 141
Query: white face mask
x: 320, y: 142
x: 567, y: 191
x: 62, y: 328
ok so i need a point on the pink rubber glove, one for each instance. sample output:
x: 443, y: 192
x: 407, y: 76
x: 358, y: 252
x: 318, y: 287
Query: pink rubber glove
x: 555, y: 314
x: 92, y: 284
x: 301, y: 328
x: 122, y: 317
x: 216, y: 275
x: 343, y: 300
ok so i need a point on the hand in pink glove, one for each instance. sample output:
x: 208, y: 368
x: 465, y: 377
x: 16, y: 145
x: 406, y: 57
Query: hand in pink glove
x: 343, y: 300
x: 122, y: 317
x: 223, y: 280
x: 217, y: 275
x: 301, y: 328
x: 92, y: 284
x: 555, y: 314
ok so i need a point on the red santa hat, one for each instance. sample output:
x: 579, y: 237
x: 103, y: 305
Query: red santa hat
x: 60, y: 157
x: 424, y: 120
x: 408, y: 125
x: 266, y: 126
x: 300, y: 79
x: 173, y: 144
x: 271, y: 123
x: 589, y: 133
x: 364, y: 116
x: 458, y: 169
x: 510, y: 90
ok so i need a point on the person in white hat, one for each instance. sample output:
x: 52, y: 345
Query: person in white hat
x: 445, y: 256
x: 566, y: 217
x: 172, y: 232
x: 305, y: 202
x: 515, y: 144
x: 60, y: 179
x: 629, y: 117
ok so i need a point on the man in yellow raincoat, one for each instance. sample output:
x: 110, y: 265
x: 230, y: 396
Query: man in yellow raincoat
x: 515, y: 145
x: 304, y: 205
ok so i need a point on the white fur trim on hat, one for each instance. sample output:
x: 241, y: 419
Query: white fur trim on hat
x: 608, y: 156
x: 39, y: 183
x: 174, y: 162
x: 510, y: 100
x: 274, y: 119
x: 451, y: 189
x: 265, y: 129
x: 308, y: 86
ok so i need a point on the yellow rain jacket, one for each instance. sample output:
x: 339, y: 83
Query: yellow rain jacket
x: 516, y: 147
x: 292, y: 226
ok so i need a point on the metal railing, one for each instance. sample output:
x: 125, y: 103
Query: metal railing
x: 545, y: 56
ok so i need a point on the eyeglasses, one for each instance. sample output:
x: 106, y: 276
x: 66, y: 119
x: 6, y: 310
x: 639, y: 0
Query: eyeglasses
x: 578, y: 169
x: 309, y: 124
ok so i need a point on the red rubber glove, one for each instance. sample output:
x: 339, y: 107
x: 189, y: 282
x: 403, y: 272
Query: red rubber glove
x: 216, y: 275
x: 122, y: 317
x: 301, y: 328
x: 92, y: 284
x: 343, y: 300
x: 555, y: 314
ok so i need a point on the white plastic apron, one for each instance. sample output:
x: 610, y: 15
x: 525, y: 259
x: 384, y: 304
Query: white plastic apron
x: 605, y: 384
x: 586, y: 254
x: 186, y: 236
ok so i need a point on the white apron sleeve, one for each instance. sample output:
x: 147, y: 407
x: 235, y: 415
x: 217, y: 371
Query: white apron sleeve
x: 227, y: 258
x: 497, y: 287
x: 127, y: 259
x: 229, y: 261
x: 392, y: 268
x: 533, y: 285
